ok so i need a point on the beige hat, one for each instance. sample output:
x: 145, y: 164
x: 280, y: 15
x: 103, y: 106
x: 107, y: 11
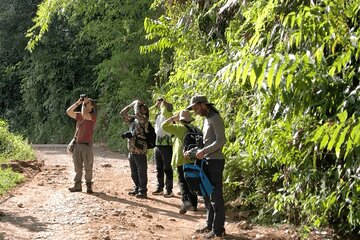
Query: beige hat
x: 185, y: 116
x: 198, y: 99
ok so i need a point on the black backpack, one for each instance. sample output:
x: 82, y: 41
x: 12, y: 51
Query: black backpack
x: 150, y: 136
x: 193, y: 138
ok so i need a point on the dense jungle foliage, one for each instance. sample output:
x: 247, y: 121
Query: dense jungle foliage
x: 284, y: 74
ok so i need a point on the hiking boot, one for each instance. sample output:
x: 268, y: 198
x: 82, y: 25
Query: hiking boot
x: 133, y: 192
x: 76, y: 188
x: 168, y: 194
x: 89, y: 188
x: 205, y: 229
x: 141, y: 195
x: 158, y: 192
x: 185, y: 207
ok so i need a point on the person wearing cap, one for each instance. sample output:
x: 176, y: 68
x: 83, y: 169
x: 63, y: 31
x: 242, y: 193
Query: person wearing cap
x: 83, y: 156
x: 178, y: 125
x: 163, y: 148
x: 214, y: 140
x: 138, y: 122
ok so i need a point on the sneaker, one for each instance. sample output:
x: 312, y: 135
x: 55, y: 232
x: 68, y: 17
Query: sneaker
x: 212, y: 235
x: 158, y: 192
x: 133, y: 192
x: 203, y: 230
x: 185, y: 207
x: 168, y: 194
x: 141, y: 195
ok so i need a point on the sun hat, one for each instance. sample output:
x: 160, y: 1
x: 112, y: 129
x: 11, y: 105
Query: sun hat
x: 185, y: 116
x: 198, y: 99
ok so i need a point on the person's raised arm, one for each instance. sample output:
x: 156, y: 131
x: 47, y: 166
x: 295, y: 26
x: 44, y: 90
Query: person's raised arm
x: 71, y: 110
x: 86, y: 108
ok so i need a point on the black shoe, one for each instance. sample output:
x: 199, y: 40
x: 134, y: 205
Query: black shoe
x: 141, y: 195
x: 158, y: 192
x: 185, y: 207
x: 133, y: 192
x: 168, y: 194
x: 203, y: 230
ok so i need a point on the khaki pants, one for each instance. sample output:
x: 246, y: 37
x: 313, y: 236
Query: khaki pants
x: 83, y: 158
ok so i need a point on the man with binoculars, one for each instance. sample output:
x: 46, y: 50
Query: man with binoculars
x: 138, y: 123
x: 82, y: 155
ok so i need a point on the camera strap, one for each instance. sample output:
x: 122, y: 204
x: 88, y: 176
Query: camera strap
x: 77, y: 128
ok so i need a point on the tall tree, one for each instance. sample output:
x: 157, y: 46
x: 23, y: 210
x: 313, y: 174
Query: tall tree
x: 15, y: 19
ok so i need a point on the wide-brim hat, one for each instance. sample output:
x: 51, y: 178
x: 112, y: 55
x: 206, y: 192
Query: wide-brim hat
x: 198, y: 99
x: 185, y: 116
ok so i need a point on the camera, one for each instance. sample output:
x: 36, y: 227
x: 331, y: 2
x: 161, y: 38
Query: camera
x: 82, y: 96
x: 127, y: 134
x: 192, y: 152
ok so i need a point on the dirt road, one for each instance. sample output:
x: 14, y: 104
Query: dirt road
x: 43, y: 208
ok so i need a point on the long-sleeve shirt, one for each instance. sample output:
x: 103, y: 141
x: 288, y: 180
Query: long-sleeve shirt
x: 178, y: 131
x: 214, y: 136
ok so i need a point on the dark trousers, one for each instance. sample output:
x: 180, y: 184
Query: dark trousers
x: 186, y: 195
x: 215, y: 202
x: 162, y: 155
x: 138, y: 167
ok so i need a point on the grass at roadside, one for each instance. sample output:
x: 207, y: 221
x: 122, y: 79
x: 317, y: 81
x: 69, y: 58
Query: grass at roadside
x: 9, y: 179
x: 12, y: 147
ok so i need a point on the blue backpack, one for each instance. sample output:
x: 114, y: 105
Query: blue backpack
x: 198, y: 183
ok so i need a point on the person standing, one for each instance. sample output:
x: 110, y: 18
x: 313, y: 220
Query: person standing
x: 178, y: 125
x: 163, y: 148
x: 83, y: 156
x: 138, y: 123
x: 214, y: 140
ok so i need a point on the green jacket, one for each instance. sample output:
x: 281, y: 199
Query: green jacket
x: 178, y: 130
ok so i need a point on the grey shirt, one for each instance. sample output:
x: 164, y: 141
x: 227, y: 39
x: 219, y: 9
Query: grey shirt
x: 214, y: 136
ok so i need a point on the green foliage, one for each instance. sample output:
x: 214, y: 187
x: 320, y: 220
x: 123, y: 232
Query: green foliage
x: 284, y: 74
x: 13, y: 147
x: 9, y: 179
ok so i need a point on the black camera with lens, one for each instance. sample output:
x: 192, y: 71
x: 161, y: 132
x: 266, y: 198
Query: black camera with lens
x: 82, y: 97
x: 127, y: 134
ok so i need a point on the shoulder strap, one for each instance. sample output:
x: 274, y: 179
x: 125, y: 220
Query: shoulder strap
x: 77, y: 129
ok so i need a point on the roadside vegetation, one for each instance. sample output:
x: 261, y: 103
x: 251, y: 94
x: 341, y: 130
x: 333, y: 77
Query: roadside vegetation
x: 12, y: 147
x: 284, y: 74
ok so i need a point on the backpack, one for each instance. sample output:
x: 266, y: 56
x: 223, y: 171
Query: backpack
x: 193, y: 138
x: 198, y: 183
x: 150, y: 136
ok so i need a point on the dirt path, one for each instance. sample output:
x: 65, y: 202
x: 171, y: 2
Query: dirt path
x: 43, y: 208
